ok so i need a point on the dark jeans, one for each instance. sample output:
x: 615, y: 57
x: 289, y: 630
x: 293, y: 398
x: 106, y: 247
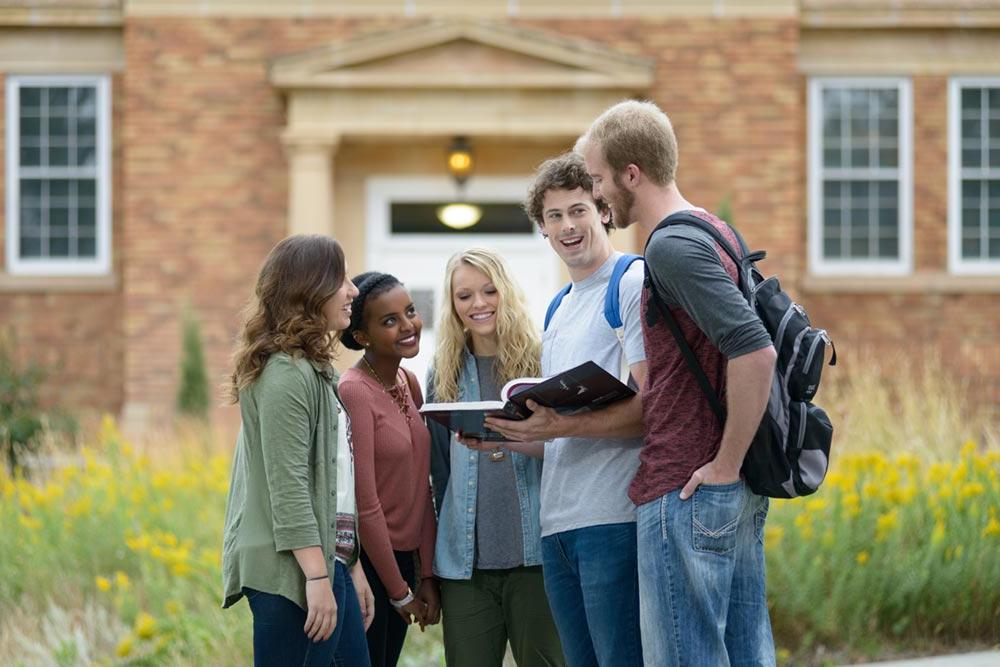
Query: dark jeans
x: 592, y: 581
x: 279, y: 639
x: 388, y: 629
x: 482, y: 613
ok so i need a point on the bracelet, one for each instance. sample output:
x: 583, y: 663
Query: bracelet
x: 407, y: 599
x: 325, y: 576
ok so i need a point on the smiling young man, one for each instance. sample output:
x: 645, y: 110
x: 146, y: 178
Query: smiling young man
x: 587, y: 519
x: 700, y: 546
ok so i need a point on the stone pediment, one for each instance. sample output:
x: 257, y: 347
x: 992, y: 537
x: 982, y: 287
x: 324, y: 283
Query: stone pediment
x: 463, y: 54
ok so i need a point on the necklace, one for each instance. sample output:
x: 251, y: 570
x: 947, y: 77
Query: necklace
x: 397, y: 393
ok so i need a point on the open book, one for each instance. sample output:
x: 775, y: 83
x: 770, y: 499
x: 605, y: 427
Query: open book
x: 585, y: 387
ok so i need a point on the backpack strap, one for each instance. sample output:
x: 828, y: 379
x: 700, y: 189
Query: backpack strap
x: 612, y: 301
x: 554, y: 305
x: 613, y: 309
x: 687, y: 352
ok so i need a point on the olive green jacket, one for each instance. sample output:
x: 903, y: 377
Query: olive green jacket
x: 283, y: 489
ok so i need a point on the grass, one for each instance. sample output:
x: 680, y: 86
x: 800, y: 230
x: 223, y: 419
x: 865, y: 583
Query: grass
x: 111, y: 556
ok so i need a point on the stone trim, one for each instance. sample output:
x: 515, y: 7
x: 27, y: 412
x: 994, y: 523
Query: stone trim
x: 480, y: 8
x: 52, y: 13
x: 22, y: 284
x: 945, y: 52
x: 924, y: 282
x: 54, y: 50
x: 900, y: 13
x: 583, y: 64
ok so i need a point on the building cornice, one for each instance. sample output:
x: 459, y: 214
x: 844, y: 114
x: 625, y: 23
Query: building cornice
x: 61, y: 13
x: 863, y: 14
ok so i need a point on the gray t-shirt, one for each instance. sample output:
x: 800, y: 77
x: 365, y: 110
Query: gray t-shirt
x: 585, y: 480
x: 685, y: 266
x: 499, y: 534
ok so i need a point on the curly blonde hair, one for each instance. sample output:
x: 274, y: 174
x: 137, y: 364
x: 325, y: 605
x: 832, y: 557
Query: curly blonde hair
x: 285, y: 313
x: 519, y: 348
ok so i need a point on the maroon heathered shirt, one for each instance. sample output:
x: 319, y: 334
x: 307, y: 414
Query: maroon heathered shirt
x: 682, y: 432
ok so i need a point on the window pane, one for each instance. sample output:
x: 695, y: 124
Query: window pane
x: 832, y: 157
x: 58, y: 156
x: 859, y: 157
x: 59, y: 246
x: 888, y: 248
x: 859, y: 248
x: 31, y: 220
x: 971, y: 248
x: 31, y: 129
x: 971, y: 98
x: 994, y: 158
x: 86, y: 131
x: 31, y: 246
x: 59, y: 187
x: 59, y: 220
x: 831, y: 128
x: 994, y: 98
x: 86, y: 220
x: 972, y: 129
x: 86, y: 247
x: 31, y: 188
x: 58, y: 128
x: 85, y: 101
x: 31, y: 100
x: 972, y: 157
x: 58, y: 99
x: 85, y: 187
x: 831, y: 247
x: 86, y: 156
x: 30, y: 157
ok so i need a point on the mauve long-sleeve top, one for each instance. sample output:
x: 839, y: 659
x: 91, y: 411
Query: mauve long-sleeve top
x: 392, y: 475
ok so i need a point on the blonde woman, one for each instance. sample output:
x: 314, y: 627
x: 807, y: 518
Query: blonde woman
x: 488, y: 551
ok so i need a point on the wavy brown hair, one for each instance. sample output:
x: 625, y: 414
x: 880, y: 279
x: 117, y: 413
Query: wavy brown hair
x: 285, y: 313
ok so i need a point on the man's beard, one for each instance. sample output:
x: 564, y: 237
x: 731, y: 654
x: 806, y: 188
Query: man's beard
x: 622, y: 207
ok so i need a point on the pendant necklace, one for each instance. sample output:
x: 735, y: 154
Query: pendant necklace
x: 396, y: 393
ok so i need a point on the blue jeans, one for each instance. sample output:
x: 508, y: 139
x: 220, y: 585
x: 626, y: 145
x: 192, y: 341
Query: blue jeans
x: 279, y: 639
x: 701, y: 578
x: 592, y: 584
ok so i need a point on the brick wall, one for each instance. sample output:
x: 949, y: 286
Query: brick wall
x: 77, y: 335
x: 206, y: 178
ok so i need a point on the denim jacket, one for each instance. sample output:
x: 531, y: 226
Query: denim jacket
x: 455, y: 476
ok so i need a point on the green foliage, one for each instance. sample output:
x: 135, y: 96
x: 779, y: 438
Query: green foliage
x: 192, y: 394
x: 725, y: 209
x: 20, y: 405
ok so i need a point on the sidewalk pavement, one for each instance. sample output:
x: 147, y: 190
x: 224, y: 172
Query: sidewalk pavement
x: 982, y: 659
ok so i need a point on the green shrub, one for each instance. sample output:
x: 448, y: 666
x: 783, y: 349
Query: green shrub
x: 20, y: 405
x: 192, y: 394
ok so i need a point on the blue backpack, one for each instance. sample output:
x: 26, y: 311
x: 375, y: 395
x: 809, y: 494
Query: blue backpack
x: 612, y: 306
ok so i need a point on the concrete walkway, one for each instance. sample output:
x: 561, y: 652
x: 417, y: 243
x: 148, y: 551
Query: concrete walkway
x: 984, y: 659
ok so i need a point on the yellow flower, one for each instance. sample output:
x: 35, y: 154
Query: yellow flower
x: 80, y: 506
x: 968, y: 449
x: 145, y: 626
x: 862, y: 557
x: 172, y: 607
x: 29, y: 522
x: 773, y: 535
x: 870, y: 490
x: 124, y: 647
x: 937, y: 536
x: 122, y: 579
x: 816, y: 505
x: 992, y: 528
x: 885, y: 524
x: 970, y: 490
x: 851, y: 502
x: 103, y: 583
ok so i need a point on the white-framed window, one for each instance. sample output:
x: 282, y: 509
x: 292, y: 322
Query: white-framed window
x: 860, y: 176
x: 58, y: 175
x: 974, y: 175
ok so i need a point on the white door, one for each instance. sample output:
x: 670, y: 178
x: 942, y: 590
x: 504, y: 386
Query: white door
x: 419, y: 259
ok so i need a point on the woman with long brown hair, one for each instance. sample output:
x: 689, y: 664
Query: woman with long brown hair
x: 290, y: 541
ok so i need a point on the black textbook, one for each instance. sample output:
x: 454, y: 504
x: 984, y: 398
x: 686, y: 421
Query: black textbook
x: 584, y: 387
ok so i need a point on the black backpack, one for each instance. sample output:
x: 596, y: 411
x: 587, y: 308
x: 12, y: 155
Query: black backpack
x: 790, y: 453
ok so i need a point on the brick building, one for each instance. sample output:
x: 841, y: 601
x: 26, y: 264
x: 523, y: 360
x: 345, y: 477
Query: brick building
x: 156, y: 149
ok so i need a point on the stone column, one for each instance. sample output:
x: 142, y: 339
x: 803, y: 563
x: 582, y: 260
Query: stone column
x: 310, y: 184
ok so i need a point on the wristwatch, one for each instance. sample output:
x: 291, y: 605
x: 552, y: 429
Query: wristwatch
x: 407, y: 599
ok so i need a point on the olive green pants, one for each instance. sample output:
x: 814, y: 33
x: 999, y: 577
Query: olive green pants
x: 480, y: 615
